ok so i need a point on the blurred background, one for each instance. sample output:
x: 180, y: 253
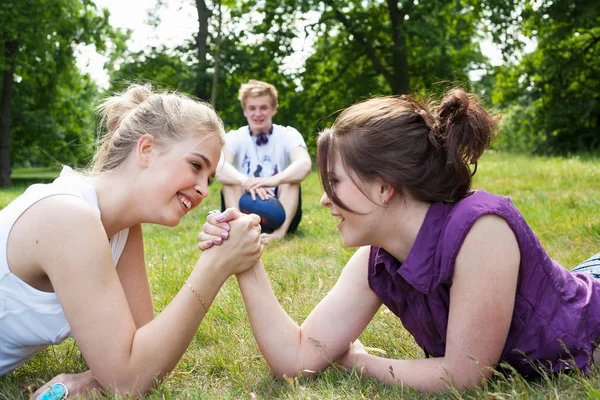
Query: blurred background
x: 536, y: 62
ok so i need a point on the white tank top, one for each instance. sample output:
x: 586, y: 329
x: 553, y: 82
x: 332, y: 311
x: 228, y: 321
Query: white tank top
x: 31, y: 320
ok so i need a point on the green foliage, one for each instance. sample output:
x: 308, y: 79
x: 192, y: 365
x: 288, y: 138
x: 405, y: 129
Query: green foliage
x: 557, y: 196
x: 437, y: 39
x: 552, y: 96
x: 375, y: 48
x: 52, y: 101
x: 163, y: 67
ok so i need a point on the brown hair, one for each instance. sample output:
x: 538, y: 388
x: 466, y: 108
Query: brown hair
x: 168, y: 116
x: 423, y: 147
x: 256, y: 88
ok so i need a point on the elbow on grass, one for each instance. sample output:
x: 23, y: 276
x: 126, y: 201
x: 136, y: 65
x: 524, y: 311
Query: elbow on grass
x: 132, y: 386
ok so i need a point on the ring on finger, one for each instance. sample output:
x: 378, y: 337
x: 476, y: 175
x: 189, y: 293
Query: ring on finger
x: 215, y: 211
x: 55, y: 392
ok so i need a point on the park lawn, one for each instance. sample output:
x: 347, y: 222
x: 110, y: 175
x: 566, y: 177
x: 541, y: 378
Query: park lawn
x: 557, y: 196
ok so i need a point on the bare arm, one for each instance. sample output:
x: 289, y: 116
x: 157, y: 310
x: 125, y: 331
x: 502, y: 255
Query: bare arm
x: 133, y: 276
x: 485, y: 279
x: 299, y: 167
x: 325, y: 335
x: 227, y: 173
x: 70, y: 244
x: 131, y: 270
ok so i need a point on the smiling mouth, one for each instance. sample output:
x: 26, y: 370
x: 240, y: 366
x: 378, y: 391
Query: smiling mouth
x: 185, y: 201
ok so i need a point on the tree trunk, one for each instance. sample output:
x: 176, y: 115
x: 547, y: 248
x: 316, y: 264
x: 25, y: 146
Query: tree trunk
x: 7, y: 88
x: 217, y: 56
x: 201, y: 39
x: 400, y: 81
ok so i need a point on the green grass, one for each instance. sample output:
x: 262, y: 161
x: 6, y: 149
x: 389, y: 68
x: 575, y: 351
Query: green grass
x: 558, y: 197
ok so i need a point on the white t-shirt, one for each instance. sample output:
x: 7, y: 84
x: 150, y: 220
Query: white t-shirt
x: 31, y: 320
x: 268, y: 159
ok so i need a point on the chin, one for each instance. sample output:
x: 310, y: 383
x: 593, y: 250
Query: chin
x: 170, y: 221
x: 351, y: 242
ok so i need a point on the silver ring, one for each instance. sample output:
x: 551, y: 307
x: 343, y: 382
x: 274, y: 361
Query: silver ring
x: 215, y: 211
x: 55, y: 392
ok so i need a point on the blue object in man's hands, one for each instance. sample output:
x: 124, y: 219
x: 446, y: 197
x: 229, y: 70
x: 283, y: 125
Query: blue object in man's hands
x: 270, y: 211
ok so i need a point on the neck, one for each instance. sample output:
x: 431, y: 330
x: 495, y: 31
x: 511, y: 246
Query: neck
x: 114, y: 201
x: 402, y: 225
x: 268, y: 130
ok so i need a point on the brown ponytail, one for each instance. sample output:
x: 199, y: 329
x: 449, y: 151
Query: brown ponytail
x: 424, y: 147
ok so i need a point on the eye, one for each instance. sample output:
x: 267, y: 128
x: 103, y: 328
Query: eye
x: 197, y: 166
x: 333, y: 182
x: 211, y: 179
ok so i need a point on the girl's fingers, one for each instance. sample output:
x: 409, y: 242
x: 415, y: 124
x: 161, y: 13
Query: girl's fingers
x: 229, y: 214
x: 206, y: 241
x: 255, y: 219
x: 215, y: 231
x: 205, y: 245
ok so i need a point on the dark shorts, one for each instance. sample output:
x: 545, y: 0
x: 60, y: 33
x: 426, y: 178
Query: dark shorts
x: 590, y: 266
x: 297, y: 217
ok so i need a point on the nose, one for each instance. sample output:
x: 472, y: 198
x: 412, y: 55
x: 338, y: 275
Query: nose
x: 325, y: 202
x: 202, y: 188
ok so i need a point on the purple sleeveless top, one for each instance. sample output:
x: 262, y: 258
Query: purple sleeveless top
x: 556, y: 320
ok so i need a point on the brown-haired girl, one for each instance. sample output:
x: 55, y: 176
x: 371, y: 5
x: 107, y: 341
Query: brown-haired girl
x: 461, y: 269
x: 72, y: 259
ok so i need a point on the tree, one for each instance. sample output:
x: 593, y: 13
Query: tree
x: 366, y: 48
x: 552, y: 94
x: 37, y: 43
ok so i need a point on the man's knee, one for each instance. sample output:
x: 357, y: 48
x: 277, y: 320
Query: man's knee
x: 288, y: 190
x: 230, y: 196
x: 290, y: 196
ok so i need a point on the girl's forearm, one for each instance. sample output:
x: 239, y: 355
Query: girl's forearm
x: 157, y: 347
x: 424, y: 375
x: 277, y: 335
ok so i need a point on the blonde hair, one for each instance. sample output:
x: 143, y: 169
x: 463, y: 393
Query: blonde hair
x: 168, y: 117
x: 256, y: 88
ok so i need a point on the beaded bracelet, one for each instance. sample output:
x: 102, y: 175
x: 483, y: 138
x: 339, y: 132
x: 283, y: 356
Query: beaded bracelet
x: 197, y: 296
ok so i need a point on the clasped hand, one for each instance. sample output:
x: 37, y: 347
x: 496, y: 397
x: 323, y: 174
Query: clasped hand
x: 242, y: 234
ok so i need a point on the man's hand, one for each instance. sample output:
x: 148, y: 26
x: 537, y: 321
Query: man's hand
x: 261, y: 187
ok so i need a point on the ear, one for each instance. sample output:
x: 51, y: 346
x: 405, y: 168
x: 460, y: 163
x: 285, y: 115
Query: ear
x: 386, y: 192
x: 146, y: 144
x: 274, y: 111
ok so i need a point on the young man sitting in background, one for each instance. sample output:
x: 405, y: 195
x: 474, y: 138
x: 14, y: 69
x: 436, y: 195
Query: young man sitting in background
x: 265, y: 160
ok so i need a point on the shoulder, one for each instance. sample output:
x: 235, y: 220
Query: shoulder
x: 290, y: 136
x: 482, y: 215
x: 490, y: 243
x: 236, y: 133
x: 356, y: 268
x: 65, y: 211
x: 58, y: 226
x: 286, y: 130
x: 462, y: 215
x: 480, y: 202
